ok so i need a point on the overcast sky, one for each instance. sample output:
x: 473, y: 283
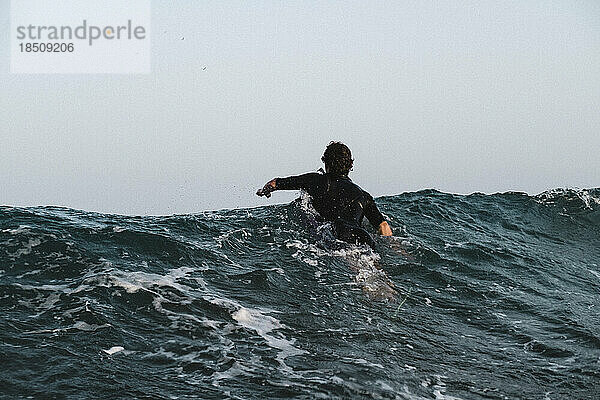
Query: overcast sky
x: 458, y: 96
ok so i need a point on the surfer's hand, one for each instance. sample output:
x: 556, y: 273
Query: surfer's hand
x: 267, y: 189
x: 384, y: 229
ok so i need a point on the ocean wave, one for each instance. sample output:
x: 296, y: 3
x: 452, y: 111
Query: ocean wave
x: 478, y: 296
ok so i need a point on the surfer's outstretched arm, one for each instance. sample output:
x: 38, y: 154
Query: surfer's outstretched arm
x: 304, y: 182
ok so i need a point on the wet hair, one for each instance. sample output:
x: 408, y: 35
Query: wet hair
x: 338, y: 158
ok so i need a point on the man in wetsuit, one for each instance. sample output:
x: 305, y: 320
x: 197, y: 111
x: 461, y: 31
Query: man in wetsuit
x: 335, y: 197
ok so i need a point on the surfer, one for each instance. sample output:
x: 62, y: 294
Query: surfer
x: 335, y: 197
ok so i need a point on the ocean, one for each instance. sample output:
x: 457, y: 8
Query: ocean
x: 475, y: 297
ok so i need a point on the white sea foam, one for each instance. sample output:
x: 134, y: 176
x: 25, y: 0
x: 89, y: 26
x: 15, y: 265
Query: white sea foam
x: 264, y: 325
x: 550, y: 197
x: 135, y: 281
x: 78, y: 325
x: 310, y: 261
x: 596, y: 274
x: 362, y: 361
x: 26, y: 248
x: 20, y: 229
x: 244, y: 233
x: 361, y: 260
x: 437, y: 385
x: 113, y: 350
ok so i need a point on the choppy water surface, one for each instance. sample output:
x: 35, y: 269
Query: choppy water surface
x: 477, y: 297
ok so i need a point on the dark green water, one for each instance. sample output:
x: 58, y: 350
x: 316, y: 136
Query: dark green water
x: 496, y: 297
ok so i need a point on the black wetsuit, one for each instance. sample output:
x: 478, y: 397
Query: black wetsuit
x: 339, y: 200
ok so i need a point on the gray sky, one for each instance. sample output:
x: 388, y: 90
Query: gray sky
x: 458, y: 96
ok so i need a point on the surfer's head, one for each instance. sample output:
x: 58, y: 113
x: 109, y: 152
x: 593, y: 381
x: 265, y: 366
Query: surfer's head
x: 337, y: 158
